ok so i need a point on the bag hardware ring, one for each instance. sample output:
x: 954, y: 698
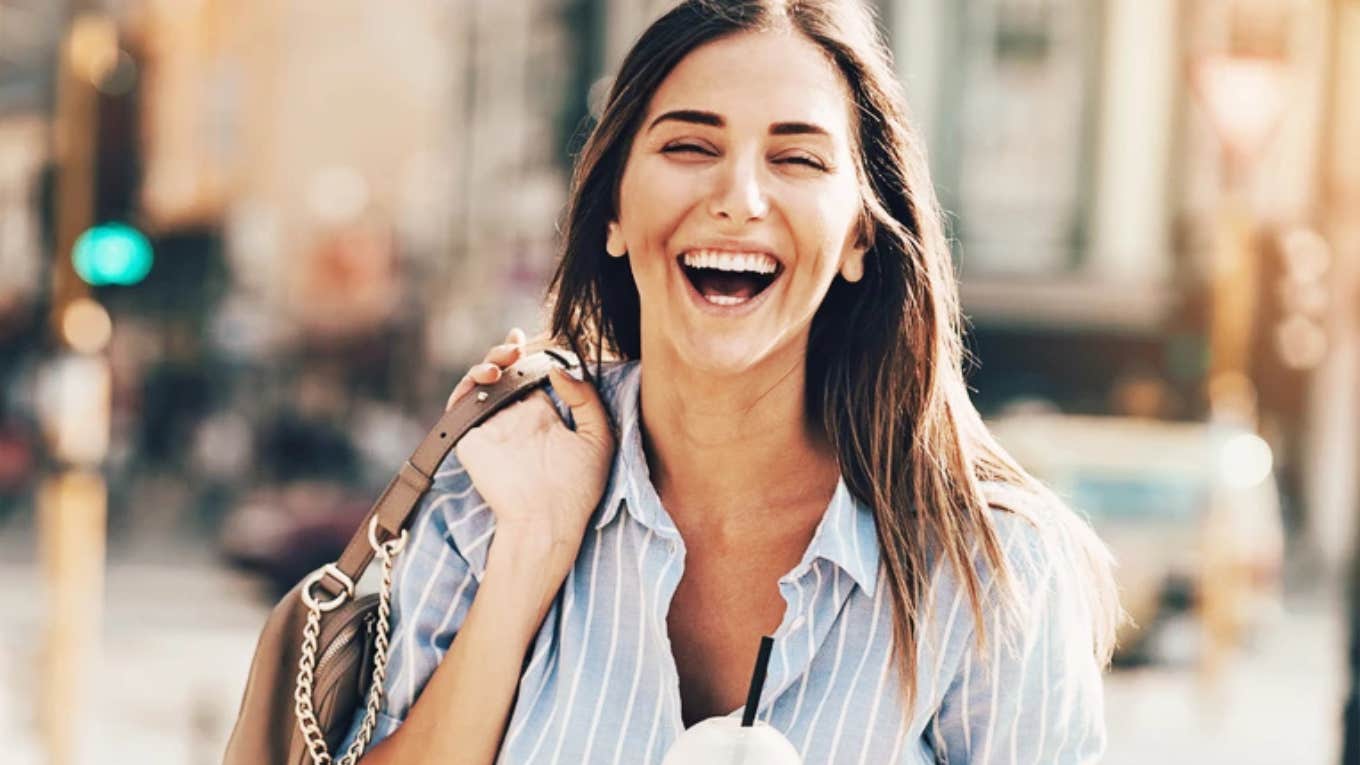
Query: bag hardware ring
x: 315, y: 578
x: 393, y: 545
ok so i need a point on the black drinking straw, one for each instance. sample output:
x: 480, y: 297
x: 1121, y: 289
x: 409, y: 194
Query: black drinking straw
x: 748, y: 718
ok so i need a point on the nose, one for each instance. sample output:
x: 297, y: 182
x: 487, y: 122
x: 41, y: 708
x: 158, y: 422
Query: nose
x: 739, y: 195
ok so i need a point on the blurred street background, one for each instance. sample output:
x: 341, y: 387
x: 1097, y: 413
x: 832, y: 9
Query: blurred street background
x: 248, y: 246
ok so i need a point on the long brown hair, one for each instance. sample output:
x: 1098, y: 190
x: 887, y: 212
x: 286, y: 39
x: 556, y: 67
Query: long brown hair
x: 885, y: 354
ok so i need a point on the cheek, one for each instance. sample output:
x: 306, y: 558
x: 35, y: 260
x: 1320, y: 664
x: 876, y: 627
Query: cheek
x: 822, y: 224
x: 654, y: 198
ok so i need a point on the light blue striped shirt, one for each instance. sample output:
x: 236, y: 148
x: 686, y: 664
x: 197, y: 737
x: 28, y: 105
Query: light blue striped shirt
x: 600, y: 685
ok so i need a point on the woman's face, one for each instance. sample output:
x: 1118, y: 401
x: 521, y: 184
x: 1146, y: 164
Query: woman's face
x: 741, y: 167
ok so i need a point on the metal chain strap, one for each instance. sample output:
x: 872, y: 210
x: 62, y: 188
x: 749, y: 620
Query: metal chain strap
x: 302, y: 692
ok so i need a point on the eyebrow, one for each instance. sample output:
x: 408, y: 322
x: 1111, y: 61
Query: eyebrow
x: 697, y: 117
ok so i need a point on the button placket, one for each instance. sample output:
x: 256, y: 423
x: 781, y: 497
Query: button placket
x: 667, y: 584
x: 786, y: 651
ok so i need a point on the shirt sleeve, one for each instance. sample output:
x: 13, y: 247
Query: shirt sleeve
x: 434, y: 582
x: 1032, y: 694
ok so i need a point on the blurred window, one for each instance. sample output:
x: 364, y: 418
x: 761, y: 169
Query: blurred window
x: 1148, y: 496
x: 1019, y: 95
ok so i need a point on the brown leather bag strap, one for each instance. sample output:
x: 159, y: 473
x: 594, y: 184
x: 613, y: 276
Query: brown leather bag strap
x: 397, y: 503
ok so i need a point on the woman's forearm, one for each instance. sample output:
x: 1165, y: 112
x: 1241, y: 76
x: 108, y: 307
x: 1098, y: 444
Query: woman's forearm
x: 461, y: 714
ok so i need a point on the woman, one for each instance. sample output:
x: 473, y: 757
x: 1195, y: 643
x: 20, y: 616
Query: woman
x: 753, y: 240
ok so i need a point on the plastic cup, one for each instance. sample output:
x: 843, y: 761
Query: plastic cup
x: 724, y: 741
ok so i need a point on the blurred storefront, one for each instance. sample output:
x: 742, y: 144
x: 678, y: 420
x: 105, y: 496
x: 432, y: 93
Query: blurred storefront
x: 1129, y: 214
x: 347, y: 202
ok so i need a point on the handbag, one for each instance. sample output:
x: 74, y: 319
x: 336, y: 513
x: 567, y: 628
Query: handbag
x: 323, y: 650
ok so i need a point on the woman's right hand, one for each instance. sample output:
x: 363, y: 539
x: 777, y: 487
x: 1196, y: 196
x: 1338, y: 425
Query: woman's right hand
x: 541, y: 479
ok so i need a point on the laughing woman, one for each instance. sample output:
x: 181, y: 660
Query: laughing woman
x: 774, y: 437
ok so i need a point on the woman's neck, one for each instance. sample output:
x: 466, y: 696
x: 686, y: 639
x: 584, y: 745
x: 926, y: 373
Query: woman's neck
x: 731, y: 455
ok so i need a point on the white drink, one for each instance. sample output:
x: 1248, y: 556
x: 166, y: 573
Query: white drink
x: 723, y: 741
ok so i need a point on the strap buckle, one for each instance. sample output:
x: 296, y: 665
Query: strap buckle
x: 387, y: 546
x: 313, y: 579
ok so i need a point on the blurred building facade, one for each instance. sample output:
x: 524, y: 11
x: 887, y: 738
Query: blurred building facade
x: 1078, y: 147
x: 352, y: 199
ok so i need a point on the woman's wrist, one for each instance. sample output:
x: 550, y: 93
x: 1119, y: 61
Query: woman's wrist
x: 526, y: 570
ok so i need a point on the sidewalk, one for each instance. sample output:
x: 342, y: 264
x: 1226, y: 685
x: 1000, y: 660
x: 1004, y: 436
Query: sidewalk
x: 177, y: 643
x: 1278, y: 702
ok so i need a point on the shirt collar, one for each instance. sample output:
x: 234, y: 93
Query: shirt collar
x: 848, y: 537
x: 847, y: 534
x: 629, y: 471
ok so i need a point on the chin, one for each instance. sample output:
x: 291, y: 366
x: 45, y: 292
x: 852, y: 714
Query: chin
x: 721, y: 357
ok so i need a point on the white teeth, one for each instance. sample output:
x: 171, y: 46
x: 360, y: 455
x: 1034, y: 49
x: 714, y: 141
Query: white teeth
x: 725, y: 299
x: 755, y: 262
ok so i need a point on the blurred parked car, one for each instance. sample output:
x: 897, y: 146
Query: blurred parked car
x: 285, y: 532
x: 310, y: 497
x: 1190, y: 510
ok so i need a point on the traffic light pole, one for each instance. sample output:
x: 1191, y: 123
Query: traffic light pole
x: 72, y: 497
x: 73, y: 141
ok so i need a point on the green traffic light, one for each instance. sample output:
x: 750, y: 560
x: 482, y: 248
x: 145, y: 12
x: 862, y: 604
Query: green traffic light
x: 112, y: 253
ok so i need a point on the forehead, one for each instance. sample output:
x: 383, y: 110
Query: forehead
x: 755, y: 78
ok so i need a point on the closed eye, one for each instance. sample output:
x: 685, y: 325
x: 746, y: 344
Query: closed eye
x: 801, y: 160
x: 797, y: 159
x: 686, y: 148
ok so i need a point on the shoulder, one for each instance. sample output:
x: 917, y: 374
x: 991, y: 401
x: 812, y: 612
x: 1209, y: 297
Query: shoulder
x: 1023, y: 520
x: 452, y: 518
x: 1051, y: 563
x: 1029, y: 647
x: 1039, y: 532
x: 1018, y: 519
x: 1060, y: 573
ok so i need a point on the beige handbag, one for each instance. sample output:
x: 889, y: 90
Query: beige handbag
x: 323, y: 650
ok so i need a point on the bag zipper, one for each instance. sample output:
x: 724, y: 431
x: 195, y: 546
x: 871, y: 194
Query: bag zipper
x: 342, y: 640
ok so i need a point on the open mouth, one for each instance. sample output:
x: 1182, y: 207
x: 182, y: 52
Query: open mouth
x: 728, y: 287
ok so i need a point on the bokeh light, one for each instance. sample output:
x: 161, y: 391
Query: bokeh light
x: 86, y: 326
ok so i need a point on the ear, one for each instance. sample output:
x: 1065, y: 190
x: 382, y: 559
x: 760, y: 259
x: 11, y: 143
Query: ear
x: 852, y: 265
x: 852, y: 262
x: 613, y: 243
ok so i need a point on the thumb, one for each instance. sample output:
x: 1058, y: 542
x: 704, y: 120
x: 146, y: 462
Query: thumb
x: 586, y: 408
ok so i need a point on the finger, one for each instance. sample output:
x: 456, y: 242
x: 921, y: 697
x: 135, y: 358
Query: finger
x: 587, y: 410
x: 504, y: 355
x: 480, y: 374
x: 515, y: 337
x: 461, y: 389
x: 485, y: 373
